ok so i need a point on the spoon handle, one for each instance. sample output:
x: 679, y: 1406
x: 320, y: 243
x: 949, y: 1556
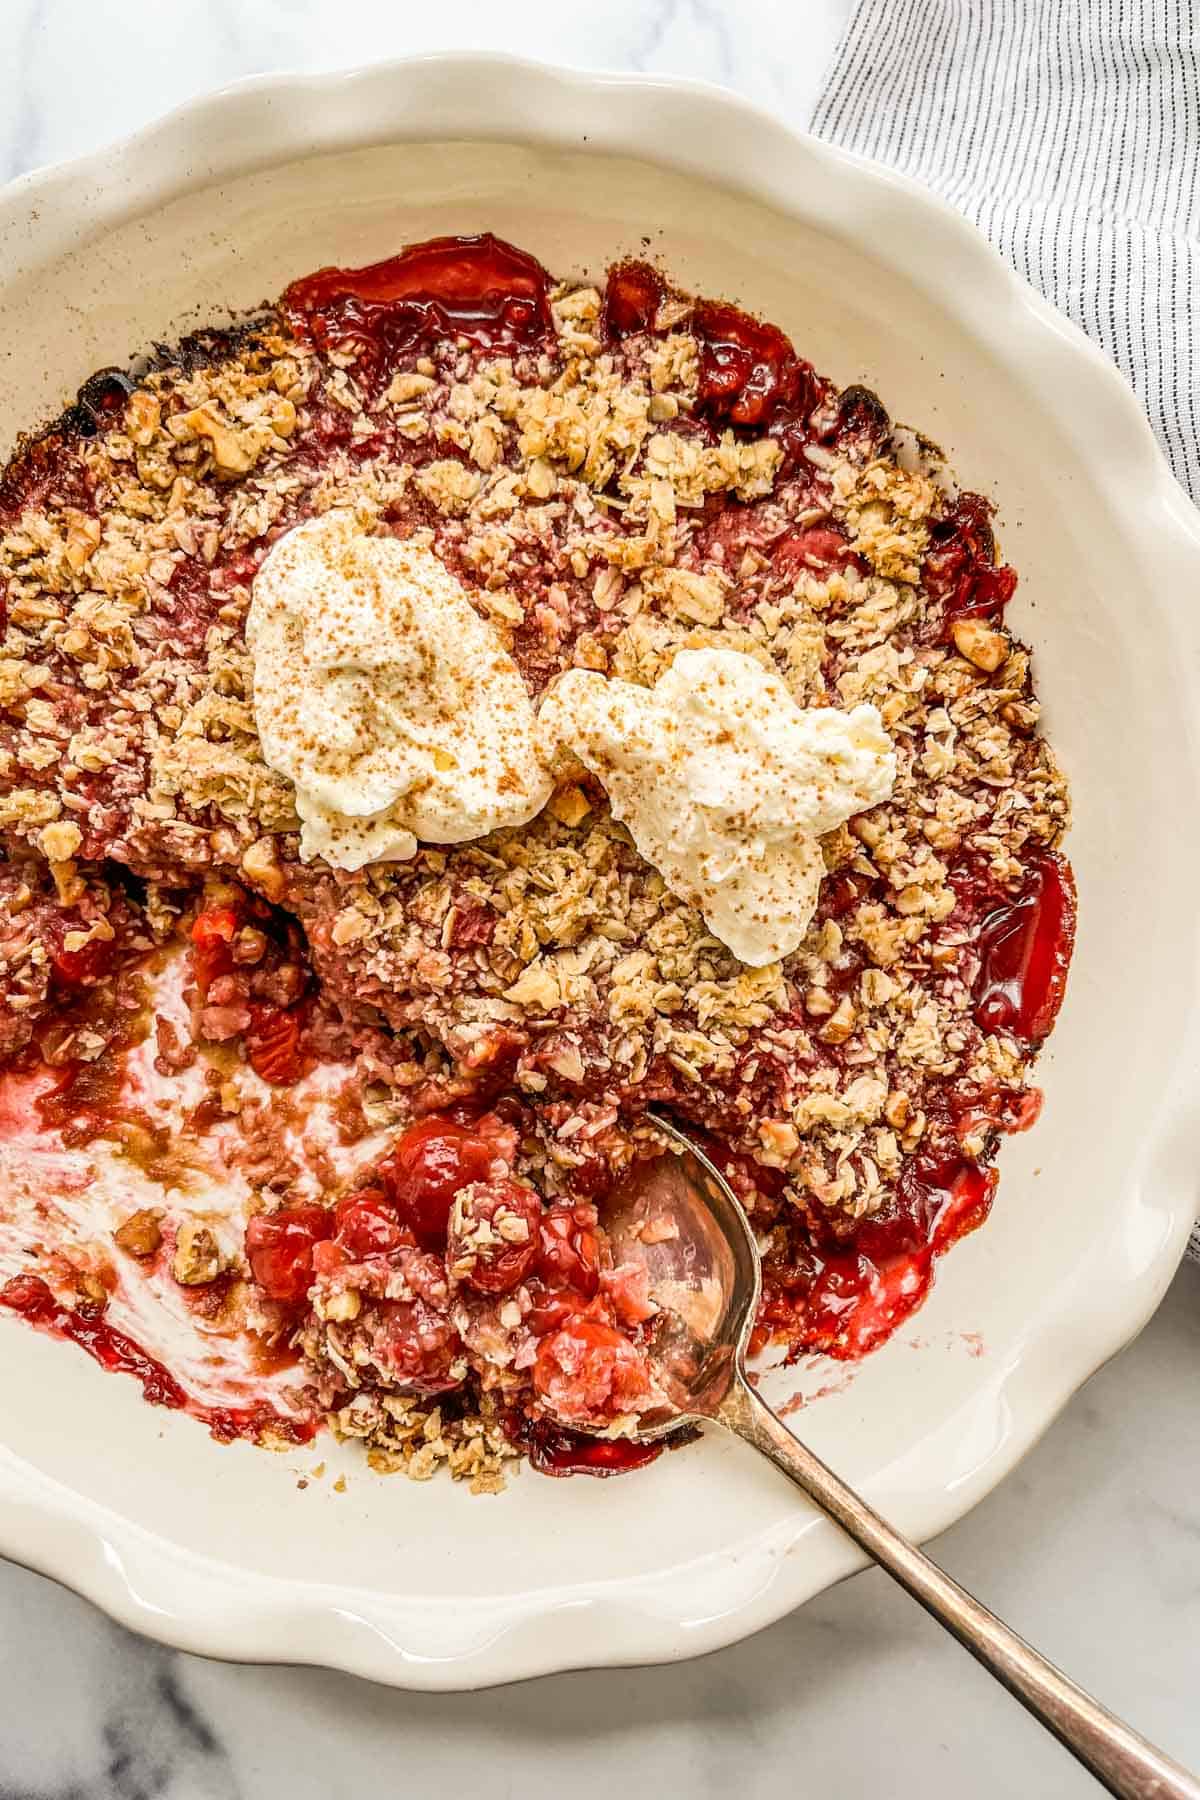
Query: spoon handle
x: 1123, y: 1761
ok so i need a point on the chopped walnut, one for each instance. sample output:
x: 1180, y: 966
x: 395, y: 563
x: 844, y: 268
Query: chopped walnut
x: 198, y: 1257
x: 141, y: 1234
x: 986, y: 648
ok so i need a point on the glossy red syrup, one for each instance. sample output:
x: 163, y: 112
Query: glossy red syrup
x: 279, y: 1247
x: 749, y: 372
x: 428, y: 1165
x: 748, y: 369
x: 960, y: 569
x: 632, y: 296
x: 566, y: 1269
x: 86, y: 1326
x: 1025, y: 952
x: 479, y: 288
x: 554, y: 1450
x: 845, y: 1301
x: 367, y: 1225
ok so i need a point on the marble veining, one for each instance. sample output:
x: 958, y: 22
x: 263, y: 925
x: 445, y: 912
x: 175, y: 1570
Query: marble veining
x: 1092, y: 1547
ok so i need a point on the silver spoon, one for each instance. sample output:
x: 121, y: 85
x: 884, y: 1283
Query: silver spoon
x: 678, y: 1216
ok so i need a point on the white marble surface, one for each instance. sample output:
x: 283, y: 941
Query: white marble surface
x: 1092, y: 1548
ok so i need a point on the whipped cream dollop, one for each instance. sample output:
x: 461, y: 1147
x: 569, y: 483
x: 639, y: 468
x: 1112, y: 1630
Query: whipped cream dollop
x: 725, y: 784
x: 380, y: 692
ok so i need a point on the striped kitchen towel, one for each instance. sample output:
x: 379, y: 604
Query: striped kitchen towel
x: 1069, y: 132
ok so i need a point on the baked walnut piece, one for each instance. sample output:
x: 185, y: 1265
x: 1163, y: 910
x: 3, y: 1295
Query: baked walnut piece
x: 613, y: 474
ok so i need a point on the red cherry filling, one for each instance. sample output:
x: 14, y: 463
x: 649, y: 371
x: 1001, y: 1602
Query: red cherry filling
x: 280, y: 1246
x: 213, y: 932
x: 631, y: 299
x: 820, y: 548
x: 566, y: 1269
x: 493, y: 1238
x: 1003, y: 1109
x: 846, y: 1300
x: 471, y: 924
x: 960, y: 568
x: 273, y: 1045
x: 475, y: 287
x: 1025, y: 951
x: 553, y: 1450
x: 843, y: 891
x: 569, y: 1252
x: 588, y: 1374
x: 430, y: 1163
x: 416, y: 1346
x: 369, y: 1225
x: 87, y: 1327
x: 226, y: 942
x: 748, y: 369
x: 84, y: 967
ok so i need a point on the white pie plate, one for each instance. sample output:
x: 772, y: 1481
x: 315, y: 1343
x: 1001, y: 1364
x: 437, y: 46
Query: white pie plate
x: 218, y: 1550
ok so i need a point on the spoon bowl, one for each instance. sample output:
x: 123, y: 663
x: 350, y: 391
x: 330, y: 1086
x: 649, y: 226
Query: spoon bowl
x: 680, y: 1219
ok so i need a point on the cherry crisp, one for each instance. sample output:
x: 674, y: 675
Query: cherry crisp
x: 613, y: 473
